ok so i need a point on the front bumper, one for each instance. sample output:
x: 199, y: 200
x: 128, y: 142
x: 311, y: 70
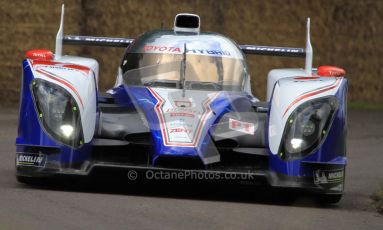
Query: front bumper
x: 132, y: 172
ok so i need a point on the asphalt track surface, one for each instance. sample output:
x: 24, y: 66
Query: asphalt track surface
x: 124, y: 205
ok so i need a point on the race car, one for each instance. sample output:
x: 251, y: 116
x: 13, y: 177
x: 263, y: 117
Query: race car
x: 182, y: 102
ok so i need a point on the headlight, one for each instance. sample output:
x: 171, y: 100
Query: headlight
x: 57, y: 112
x: 307, y: 127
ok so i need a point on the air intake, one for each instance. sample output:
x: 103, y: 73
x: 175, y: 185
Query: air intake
x: 189, y: 23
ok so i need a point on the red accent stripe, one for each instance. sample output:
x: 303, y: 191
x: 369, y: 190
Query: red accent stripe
x: 43, y: 62
x: 157, y: 107
x: 62, y: 81
x: 81, y: 68
x: 307, y: 78
x: 310, y: 94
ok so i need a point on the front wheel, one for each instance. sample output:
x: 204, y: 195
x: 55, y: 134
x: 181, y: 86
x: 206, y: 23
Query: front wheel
x: 329, y: 198
x: 31, y: 180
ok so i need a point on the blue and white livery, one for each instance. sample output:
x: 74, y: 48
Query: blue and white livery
x: 182, y: 101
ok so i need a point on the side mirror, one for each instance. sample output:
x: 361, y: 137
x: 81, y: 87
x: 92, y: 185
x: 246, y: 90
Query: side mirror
x: 44, y: 55
x: 331, y: 71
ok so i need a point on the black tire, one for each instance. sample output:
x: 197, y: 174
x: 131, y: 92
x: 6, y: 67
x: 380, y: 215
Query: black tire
x: 329, y: 198
x: 284, y: 196
x: 31, y: 180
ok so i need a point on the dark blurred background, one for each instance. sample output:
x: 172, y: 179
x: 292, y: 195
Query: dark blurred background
x: 345, y: 33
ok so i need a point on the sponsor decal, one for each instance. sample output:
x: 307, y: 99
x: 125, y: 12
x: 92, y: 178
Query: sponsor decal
x: 171, y: 49
x: 182, y: 115
x: 180, y: 130
x: 241, y: 126
x: 331, y: 71
x: 186, y: 104
x: 182, y: 126
x: 31, y: 159
x: 209, y: 52
x: 328, y: 176
x: 273, y: 49
x: 168, y: 49
x: 42, y: 64
x: 180, y: 123
x: 182, y: 112
x: 39, y: 54
x: 98, y: 39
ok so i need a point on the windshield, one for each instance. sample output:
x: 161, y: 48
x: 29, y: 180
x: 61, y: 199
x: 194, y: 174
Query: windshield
x: 200, y: 62
x: 201, y: 72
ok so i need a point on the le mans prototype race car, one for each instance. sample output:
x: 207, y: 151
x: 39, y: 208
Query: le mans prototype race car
x: 182, y: 101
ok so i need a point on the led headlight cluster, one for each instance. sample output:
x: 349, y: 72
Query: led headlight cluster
x: 58, y: 112
x: 307, y: 127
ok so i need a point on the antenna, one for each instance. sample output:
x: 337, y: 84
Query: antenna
x: 59, y: 36
x: 309, y: 52
x: 183, y: 71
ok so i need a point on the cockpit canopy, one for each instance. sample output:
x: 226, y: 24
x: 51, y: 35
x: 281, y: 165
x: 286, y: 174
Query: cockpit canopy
x: 204, y: 61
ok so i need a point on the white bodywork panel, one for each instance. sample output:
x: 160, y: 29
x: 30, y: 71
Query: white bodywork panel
x: 88, y: 62
x: 276, y: 74
x: 79, y: 81
x: 288, y: 94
